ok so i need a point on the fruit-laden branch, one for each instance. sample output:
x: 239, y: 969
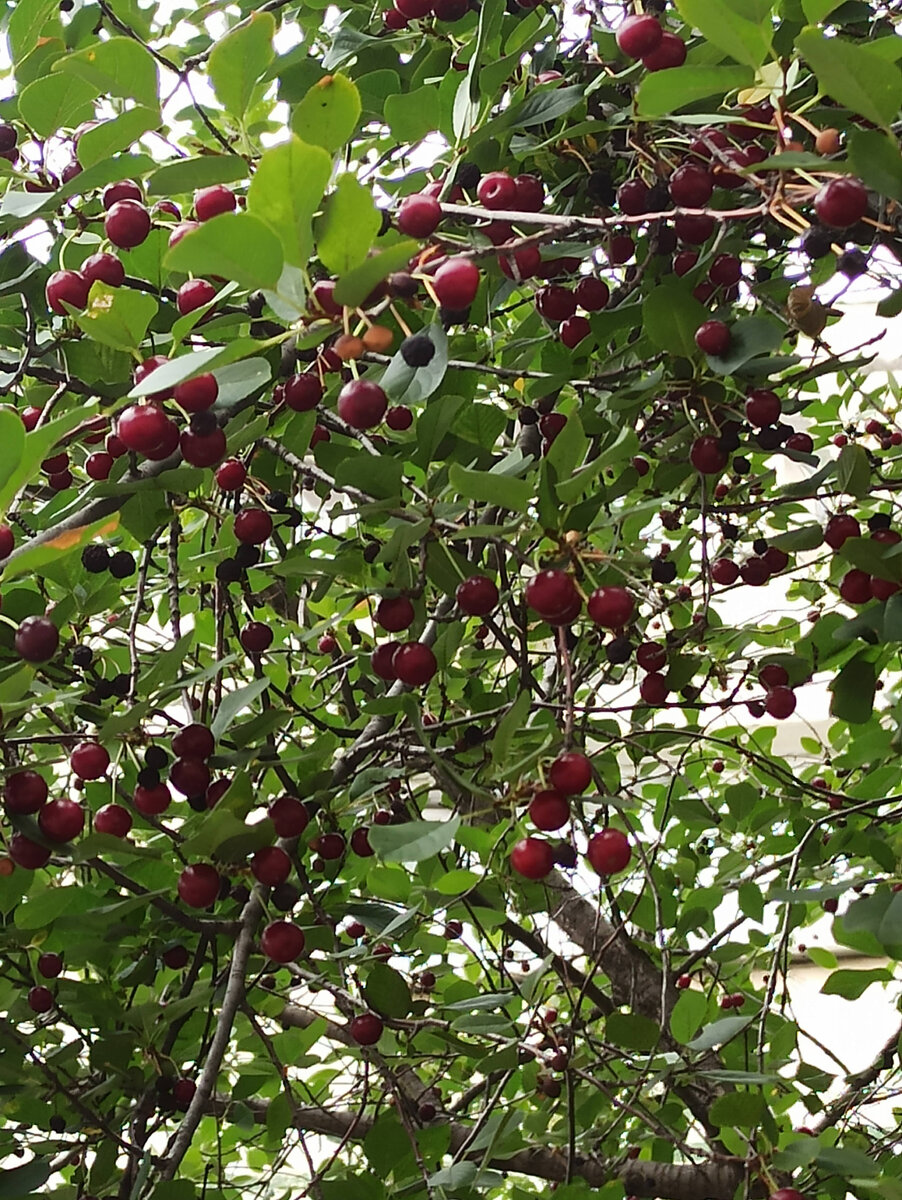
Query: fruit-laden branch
x: 713, y: 1180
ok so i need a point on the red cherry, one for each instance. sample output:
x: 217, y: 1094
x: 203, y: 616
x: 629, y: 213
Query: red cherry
x: 197, y: 394
x: 450, y: 10
x: 271, y: 866
x: 773, y: 675
x: 882, y: 589
x: 787, y: 1193
x: 362, y: 404
x: 419, y: 215
x: 532, y: 858
x: 289, y: 816
x: 143, y: 427
x: 841, y: 202
x: 497, y: 190
x: 382, y: 660
x: 89, y: 760
x: 321, y: 297
x: 522, y: 264
x: 127, y: 224
x: 7, y: 541
x: 609, y: 851
x: 780, y: 702
x: 800, y: 441
x: 684, y: 981
x: 211, y: 201
x: 763, y: 407
x: 651, y: 656
x: 253, y: 526
x: 203, y: 450
x: 40, y: 1000
x: 456, y: 282
x: 98, y: 465
x: 549, y: 810
x: 360, y: 842
x: 855, y: 587
x: 639, y: 35
x: 399, y: 417
x: 190, y: 776
x: 611, y: 607
x: 725, y: 271
x: 198, y: 885
x: 706, y: 456
x: 193, y: 294
x: 282, y: 941
x: 256, y: 637
x: 671, y: 52
x: 24, y: 792
x: 303, y: 392
x: 49, y: 965
x: 413, y: 10
x: 180, y: 231
x: 755, y: 571
x: 691, y: 186
x: 183, y: 1093
x: 231, y: 475
x: 113, y: 819
x: 327, y: 644
x: 126, y: 189
x: 653, y: 688
x: 592, y: 294
x: 193, y: 741
x: 477, y: 596
x: 694, y: 229
x: 106, y: 267
x: 330, y: 846
x: 61, y: 820
x: 570, y: 773
x: 633, y: 197
x: 414, y: 663
x: 151, y: 801
x: 775, y: 559
x: 67, y: 288
x: 713, y: 337
x: 37, y: 639
x: 573, y: 331
x: 394, y: 614
x: 724, y: 571
x: 684, y: 262
x: 555, y: 303
x: 551, y: 594
x: 27, y: 854
x: 366, y: 1030
x: 530, y: 195
x: 115, y: 446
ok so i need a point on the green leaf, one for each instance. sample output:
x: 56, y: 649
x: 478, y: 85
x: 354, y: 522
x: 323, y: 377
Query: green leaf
x: 235, y: 246
x: 806, y: 537
x: 118, y: 67
x: 568, y: 450
x: 285, y: 192
x: 456, y: 882
x: 732, y: 25
x: 688, y: 1014
x: 738, y: 1108
x: 38, y: 444
x: 853, y: 691
x: 852, y: 984
x: 719, y: 1032
x: 234, y: 703
x: 816, y: 10
x: 386, y: 992
x: 413, y: 385
x: 328, y: 114
x: 56, y: 102
x: 188, y: 174
x: 891, y: 305
x: 670, y: 317
x: 36, y: 556
x: 413, y: 841
x: 876, y: 558
x: 749, y: 337
x: 544, y: 103
x: 853, y: 75
x: 239, y: 59
x: 354, y: 287
x: 17, y: 1182
x: 117, y: 317
x: 853, y: 471
x: 632, y: 1030
x: 109, y: 137
x: 12, y: 447
x: 510, y: 725
x: 348, y: 227
x: 504, y: 490
x: 26, y: 21
x: 663, y: 92
x: 847, y: 1161
x: 889, y: 931
x: 875, y: 159
x: 411, y: 115
x: 892, y: 619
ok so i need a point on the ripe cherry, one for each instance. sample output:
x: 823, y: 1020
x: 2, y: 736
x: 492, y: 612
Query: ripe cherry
x: 190, y: 776
x: 360, y: 842
x: 253, y: 526
x: 106, y: 267
x: 633, y: 197
x: 49, y: 965
x: 855, y: 587
x: 202, y: 450
x: 382, y: 660
x: 151, y: 801
x: 89, y: 760
x: 289, y: 816
x: 725, y: 271
x: 366, y: 1030
x: 713, y: 337
x: 773, y: 675
x: 639, y: 35
x: 477, y: 596
x: 592, y: 293
x: 763, y: 407
x: 399, y: 417
x: 37, y: 639
x: 114, y: 820
x: 691, y: 186
x: 303, y: 392
x: 211, y: 201
x: 271, y: 866
x: 27, y: 854
x: 841, y: 202
x: 419, y: 215
x: 530, y: 195
x: 456, y: 282
x: 7, y: 541
x: 126, y: 189
x: 394, y: 613
x: 611, y: 607
x: 67, y: 288
x: 331, y: 846
x: 787, y: 1193
x: 282, y: 941
x: 98, y: 465
x: 551, y: 594
x: 40, y: 999
x: 193, y: 741
x: 755, y: 571
x: 570, y: 773
x: 573, y: 331
x: 724, y: 571
x: 780, y: 702
x: 61, y: 820
x: 256, y: 637
x: 362, y: 404
x: 24, y: 792
x: 532, y: 858
x: 198, y: 885
x: 497, y: 190
x: 327, y: 644
x: 127, y: 224
x: 671, y: 52
x: 653, y: 688
x: 414, y: 663
x: 183, y: 1093
x: 549, y: 810
x: 609, y: 851
x: 143, y: 428
x: 651, y: 656
x: 231, y: 475
x: 707, y: 456
x: 555, y: 303
x: 683, y: 981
